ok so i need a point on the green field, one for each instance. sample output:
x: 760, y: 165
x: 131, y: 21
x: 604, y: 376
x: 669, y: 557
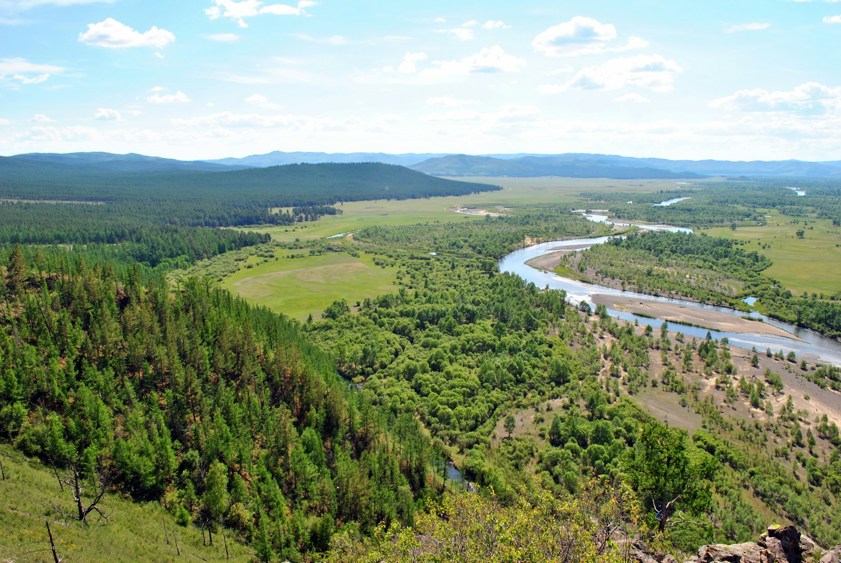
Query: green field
x: 298, y: 287
x: 302, y: 286
x: 133, y: 531
x: 811, y: 264
x: 517, y: 193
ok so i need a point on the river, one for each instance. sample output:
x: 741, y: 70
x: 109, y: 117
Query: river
x: 804, y: 343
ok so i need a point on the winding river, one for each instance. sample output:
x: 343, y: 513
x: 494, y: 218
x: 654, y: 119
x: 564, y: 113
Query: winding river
x: 804, y: 343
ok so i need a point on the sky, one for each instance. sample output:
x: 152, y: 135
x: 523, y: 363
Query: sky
x: 202, y: 79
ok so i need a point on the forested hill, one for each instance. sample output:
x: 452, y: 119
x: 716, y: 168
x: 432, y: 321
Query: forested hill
x: 276, y: 186
x: 222, y: 412
x: 161, y: 216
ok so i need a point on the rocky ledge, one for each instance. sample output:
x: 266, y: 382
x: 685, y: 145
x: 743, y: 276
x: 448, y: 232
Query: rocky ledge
x: 780, y: 544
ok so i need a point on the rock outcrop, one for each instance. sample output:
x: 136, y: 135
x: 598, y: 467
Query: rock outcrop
x: 832, y: 556
x: 780, y: 544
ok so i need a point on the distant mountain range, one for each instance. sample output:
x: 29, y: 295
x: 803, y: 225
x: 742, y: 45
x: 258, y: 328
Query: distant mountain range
x: 531, y: 166
x: 574, y: 165
x: 619, y: 167
x: 123, y: 162
x: 280, y: 158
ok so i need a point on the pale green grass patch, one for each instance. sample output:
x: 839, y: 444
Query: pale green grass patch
x: 810, y: 264
x: 298, y: 287
x: 517, y: 194
x: 133, y: 531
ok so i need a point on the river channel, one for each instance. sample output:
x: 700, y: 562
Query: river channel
x: 804, y: 343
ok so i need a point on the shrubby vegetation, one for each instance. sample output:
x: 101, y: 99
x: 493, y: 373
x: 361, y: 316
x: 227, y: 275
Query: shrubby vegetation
x: 706, y: 269
x: 464, y: 348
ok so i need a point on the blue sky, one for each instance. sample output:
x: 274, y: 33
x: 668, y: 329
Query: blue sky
x: 745, y: 79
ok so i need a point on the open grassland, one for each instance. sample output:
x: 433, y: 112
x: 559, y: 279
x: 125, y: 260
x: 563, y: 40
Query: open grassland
x: 517, y: 193
x: 809, y: 264
x: 302, y: 286
x: 298, y: 287
x: 551, y: 191
x: 360, y: 214
x: 133, y: 531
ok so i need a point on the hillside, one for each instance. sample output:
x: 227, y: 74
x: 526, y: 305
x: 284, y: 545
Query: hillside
x: 297, y: 184
x: 160, y: 215
x: 221, y: 412
x: 132, y: 531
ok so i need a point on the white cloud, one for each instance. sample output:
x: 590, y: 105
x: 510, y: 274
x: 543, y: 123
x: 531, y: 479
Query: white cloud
x: 238, y: 11
x: 21, y: 5
x: 495, y: 24
x: 223, y: 37
x: 832, y: 19
x: 571, y: 37
x: 489, y: 60
x: 46, y: 134
x: 231, y: 119
x: 112, y: 34
x: 409, y: 64
x: 261, y: 101
x: 449, y: 102
x: 336, y: 40
x: 653, y: 72
x: 467, y: 30
x: 750, y: 26
x: 4, y: 121
x: 582, y: 36
x: 161, y: 96
x: 453, y: 115
x: 42, y: 118
x: 460, y: 33
x: 25, y: 72
x: 106, y: 114
x: 633, y: 98
x: 505, y: 115
x: 276, y: 70
x: 810, y: 98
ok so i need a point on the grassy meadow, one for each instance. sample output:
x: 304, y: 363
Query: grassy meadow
x: 306, y: 285
x: 809, y: 264
x: 516, y: 193
x: 133, y: 531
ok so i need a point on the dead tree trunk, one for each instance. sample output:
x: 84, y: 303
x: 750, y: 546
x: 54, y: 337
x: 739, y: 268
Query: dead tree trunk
x: 75, y: 481
x: 52, y: 543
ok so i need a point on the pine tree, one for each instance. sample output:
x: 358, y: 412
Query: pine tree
x: 16, y: 271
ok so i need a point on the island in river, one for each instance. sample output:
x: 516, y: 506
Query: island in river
x: 676, y: 313
x: 671, y: 312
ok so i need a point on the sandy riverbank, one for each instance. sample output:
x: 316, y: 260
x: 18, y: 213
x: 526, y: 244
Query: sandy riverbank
x: 551, y: 260
x: 712, y: 320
